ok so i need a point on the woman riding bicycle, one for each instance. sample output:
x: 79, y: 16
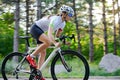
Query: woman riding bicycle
x: 50, y: 24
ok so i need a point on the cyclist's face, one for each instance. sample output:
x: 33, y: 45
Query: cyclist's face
x: 66, y: 17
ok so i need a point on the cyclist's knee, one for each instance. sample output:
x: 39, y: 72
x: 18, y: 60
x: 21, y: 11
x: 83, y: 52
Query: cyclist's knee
x: 47, y: 43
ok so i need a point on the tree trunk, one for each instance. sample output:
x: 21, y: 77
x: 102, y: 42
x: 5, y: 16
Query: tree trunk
x: 16, y: 27
x: 16, y: 30
x: 39, y: 9
x: 118, y: 18
x: 27, y: 21
x: 77, y: 29
x: 114, y: 26
x: 91, y: 46
x: 27, y: 16
x: 105, y: 29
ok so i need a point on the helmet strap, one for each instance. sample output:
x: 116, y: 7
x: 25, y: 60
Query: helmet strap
x: 64, y: 17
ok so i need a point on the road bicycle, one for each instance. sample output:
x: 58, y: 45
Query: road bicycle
x: 64, y: 64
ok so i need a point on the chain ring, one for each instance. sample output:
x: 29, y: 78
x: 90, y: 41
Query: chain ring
x: 35, y: 74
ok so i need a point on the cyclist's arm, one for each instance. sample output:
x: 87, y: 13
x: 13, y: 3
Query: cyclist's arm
x: 50, y: 35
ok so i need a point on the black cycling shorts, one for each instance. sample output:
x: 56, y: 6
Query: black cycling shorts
x: 36, y: 32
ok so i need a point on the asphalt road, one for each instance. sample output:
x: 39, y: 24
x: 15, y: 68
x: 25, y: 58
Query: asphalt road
x: 91, y: 78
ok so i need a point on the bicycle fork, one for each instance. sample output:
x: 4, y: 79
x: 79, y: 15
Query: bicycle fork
x: 68, y: 68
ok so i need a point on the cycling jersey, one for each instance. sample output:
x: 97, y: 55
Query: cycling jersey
x: 53, y: 21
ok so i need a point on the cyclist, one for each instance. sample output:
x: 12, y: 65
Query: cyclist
x: 51, y: 24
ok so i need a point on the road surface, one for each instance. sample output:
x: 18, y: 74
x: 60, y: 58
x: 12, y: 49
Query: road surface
x: 91, y: 78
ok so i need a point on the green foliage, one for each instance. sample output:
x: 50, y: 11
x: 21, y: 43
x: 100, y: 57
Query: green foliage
x: 6, y: 33
x: 69, y: 28
x: 110, y: 47
x: 98, y: 47
x: 85, y: 46
x: 8, y: 18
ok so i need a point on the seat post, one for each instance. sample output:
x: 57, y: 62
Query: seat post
x: 26, y: 40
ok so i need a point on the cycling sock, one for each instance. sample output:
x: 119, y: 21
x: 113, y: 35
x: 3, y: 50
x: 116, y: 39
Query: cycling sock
x: 31, y: 55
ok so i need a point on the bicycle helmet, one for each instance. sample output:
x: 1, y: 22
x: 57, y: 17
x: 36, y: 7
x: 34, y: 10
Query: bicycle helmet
x: 67, y: 9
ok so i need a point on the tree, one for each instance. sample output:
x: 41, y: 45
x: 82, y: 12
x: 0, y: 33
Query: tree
x: 16, y: 27
x: 27, y: 16
x: 105, y: 28
x: 91, y: 46
x: 118, y: 17
x: 77, y: 29
x: 114, y: 28
x: 39, y: 9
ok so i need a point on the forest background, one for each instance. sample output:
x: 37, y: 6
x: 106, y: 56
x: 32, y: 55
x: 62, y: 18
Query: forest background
x: 96, y: 26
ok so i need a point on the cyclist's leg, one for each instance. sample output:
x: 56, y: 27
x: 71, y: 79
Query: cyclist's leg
x: 46, y: 43
x: 41, y: 59
x: 39, y: 35
x: 40, y: 49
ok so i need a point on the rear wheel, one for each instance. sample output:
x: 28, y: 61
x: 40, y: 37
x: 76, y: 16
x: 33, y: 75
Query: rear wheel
x: 10, y: 70
x: 75, y: 61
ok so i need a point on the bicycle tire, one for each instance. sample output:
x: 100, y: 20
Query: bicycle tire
x: 9, y: 66
x: 73, y: 59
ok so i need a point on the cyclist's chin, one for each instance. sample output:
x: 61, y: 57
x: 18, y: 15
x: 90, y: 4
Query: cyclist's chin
x: 66, y: 20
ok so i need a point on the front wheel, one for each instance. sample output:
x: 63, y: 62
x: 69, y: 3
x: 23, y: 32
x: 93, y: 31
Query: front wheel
x: 74, y: 60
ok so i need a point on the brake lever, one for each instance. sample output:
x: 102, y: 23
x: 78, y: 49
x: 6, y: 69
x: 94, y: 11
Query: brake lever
x: 72, y: 37
x: 63, y: 38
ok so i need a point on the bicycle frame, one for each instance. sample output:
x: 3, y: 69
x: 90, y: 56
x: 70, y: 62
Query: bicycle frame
x: 52, y: 54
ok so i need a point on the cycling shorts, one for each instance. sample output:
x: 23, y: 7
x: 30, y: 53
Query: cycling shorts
x: 36, y: 32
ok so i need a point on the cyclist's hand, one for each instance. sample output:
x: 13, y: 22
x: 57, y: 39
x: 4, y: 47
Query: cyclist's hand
x: 67, y: 43
x: 57, y: 44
